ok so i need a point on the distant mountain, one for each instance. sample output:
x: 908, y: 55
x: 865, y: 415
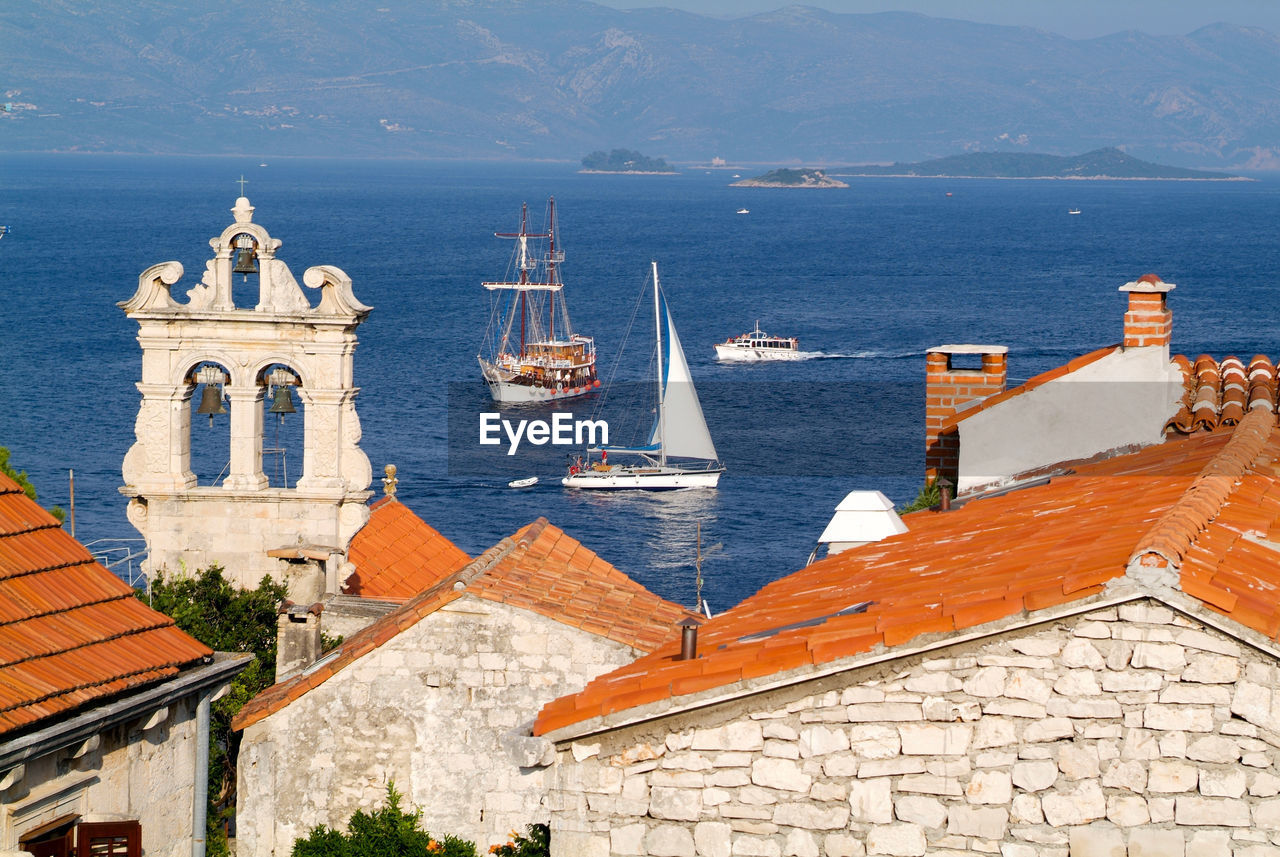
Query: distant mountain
x: 544, y: 78
x: 1110, y: 163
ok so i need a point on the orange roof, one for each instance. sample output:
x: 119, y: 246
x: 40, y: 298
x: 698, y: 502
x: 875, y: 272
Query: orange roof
x: 71, y: 632
x: 994, y: 558
x: 1220, y: 393
x: 539, y: 568
x: 397, y: 554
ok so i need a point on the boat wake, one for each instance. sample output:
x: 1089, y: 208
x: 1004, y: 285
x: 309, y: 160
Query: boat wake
x: 857, y: 355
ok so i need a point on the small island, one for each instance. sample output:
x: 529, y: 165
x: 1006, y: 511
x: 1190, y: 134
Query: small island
x: 1108, y: 163
x: 791, y: 178
x: 625, y: 161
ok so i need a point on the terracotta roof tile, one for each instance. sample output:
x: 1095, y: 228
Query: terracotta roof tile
x: 540, y: 569
x: 397, y: 554
x: 994, y: 558
x: 71, y: 632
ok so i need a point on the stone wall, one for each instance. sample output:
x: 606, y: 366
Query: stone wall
x: 1132, y: 730
x: 146, y: 775
x: 429, y: 710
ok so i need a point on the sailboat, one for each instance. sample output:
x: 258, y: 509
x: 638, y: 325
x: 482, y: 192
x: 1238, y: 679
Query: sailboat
x: 680, y: 430
x: 533, y: 353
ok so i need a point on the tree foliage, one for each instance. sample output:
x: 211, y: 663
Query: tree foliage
x: 385, y: 832
x: 623, y: 161
x: 20, y: 476
x: 225, y: 618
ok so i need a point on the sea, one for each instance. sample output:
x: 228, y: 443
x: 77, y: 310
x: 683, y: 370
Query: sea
x: 867, y: 277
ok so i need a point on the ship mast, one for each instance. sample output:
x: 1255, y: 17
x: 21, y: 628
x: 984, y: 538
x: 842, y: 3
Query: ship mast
x: 657, y: 321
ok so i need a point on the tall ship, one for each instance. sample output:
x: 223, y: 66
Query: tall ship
x: 531, y: 353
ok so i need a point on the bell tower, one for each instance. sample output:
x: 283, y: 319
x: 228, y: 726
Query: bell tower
x: 248, y: 518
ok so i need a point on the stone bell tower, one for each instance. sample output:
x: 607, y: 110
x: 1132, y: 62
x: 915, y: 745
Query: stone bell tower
x: 296, y: 533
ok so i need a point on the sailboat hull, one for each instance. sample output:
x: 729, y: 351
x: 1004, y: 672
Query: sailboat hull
x: 643, y: 478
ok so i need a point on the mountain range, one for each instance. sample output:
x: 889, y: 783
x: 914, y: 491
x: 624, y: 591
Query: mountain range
x: 556, y: 79
x: 1108, y: 163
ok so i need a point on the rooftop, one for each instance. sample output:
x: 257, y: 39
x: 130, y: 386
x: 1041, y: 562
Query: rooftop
x: 71, y: 632
x: 539, y: 568
x: 397, y: 554
x: 1206, y: 507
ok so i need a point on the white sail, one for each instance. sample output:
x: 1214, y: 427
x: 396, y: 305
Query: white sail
x: 682, y: 430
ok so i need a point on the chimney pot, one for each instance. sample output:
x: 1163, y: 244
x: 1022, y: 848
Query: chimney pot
x: 688, y: 639
x: 1148, y: 321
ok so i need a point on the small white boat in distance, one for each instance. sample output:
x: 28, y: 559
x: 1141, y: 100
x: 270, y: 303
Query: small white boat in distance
x: 680, y: 431
x: 527, y: 482
x: 1073, y: 211
x: 744, y: 211
x: 758, y: 345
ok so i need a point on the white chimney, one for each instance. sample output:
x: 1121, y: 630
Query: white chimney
x: 861, y: 518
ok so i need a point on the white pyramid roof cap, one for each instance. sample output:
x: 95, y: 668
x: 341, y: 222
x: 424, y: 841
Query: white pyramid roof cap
x: 863, y: 516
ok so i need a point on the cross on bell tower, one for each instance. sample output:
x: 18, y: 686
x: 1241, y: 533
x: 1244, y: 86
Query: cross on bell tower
x: 236, y: 357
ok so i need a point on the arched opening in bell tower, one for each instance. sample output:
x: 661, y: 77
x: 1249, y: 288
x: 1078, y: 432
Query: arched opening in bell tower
x: 245, y: 271
x: 283, y: 425
x: 209, y: 423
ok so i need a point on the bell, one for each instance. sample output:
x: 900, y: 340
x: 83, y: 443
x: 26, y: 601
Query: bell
x: 211, y: 402
x: 246, y: 262
x: 282, y: 401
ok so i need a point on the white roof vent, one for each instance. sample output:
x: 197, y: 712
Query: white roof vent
x: 861, y: 518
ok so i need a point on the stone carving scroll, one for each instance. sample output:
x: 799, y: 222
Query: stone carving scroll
x: 153, y: 288
x: 336, y: 295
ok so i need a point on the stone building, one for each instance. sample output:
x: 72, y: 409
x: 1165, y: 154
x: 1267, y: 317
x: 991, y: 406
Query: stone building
x: 275, y: 342
x: 1082, y: 663
x: 438, y: 694
x: 104, y: 703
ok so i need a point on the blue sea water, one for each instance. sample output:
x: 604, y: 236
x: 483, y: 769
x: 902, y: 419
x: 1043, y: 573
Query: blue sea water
x: 869, y: 277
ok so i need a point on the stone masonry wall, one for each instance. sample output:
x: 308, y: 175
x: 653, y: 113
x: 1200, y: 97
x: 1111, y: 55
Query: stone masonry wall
x: 429, y: 710
x: 133, y: 773
x: 1130, y: 731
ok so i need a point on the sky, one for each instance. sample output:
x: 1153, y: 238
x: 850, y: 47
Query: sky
x: 1077, y: 19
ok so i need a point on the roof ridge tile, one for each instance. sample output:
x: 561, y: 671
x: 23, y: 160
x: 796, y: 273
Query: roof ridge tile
x: 1176, y: 530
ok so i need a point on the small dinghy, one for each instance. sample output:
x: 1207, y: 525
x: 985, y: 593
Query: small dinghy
x: 527, y: 482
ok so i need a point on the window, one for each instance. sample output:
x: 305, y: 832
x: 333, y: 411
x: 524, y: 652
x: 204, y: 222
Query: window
x: 51, y: 840
x: 109, y: 839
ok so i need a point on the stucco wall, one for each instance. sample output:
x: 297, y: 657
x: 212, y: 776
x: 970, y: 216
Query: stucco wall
x: 147, y: 775
x: 1132, y: 730
x: 427, y: 710
x: 1122, y: 399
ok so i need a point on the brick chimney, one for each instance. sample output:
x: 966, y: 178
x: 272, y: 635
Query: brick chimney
x: 1148, y: 321
x: 297, y: 638
x: 949, y: 390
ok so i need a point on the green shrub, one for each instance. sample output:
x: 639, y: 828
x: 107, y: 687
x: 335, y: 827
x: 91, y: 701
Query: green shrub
x: 385, y: 832
x: 536, y: 844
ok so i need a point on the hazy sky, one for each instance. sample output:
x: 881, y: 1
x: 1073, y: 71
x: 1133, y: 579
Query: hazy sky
x: 1074, y: 18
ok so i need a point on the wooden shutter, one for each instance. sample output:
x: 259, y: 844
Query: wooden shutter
x: 109, y: 839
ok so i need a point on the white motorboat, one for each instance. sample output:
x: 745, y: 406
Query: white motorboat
x: 758, y: 345
x: 533, y: 354
x: 744, y: 211
x: 679, y: 432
